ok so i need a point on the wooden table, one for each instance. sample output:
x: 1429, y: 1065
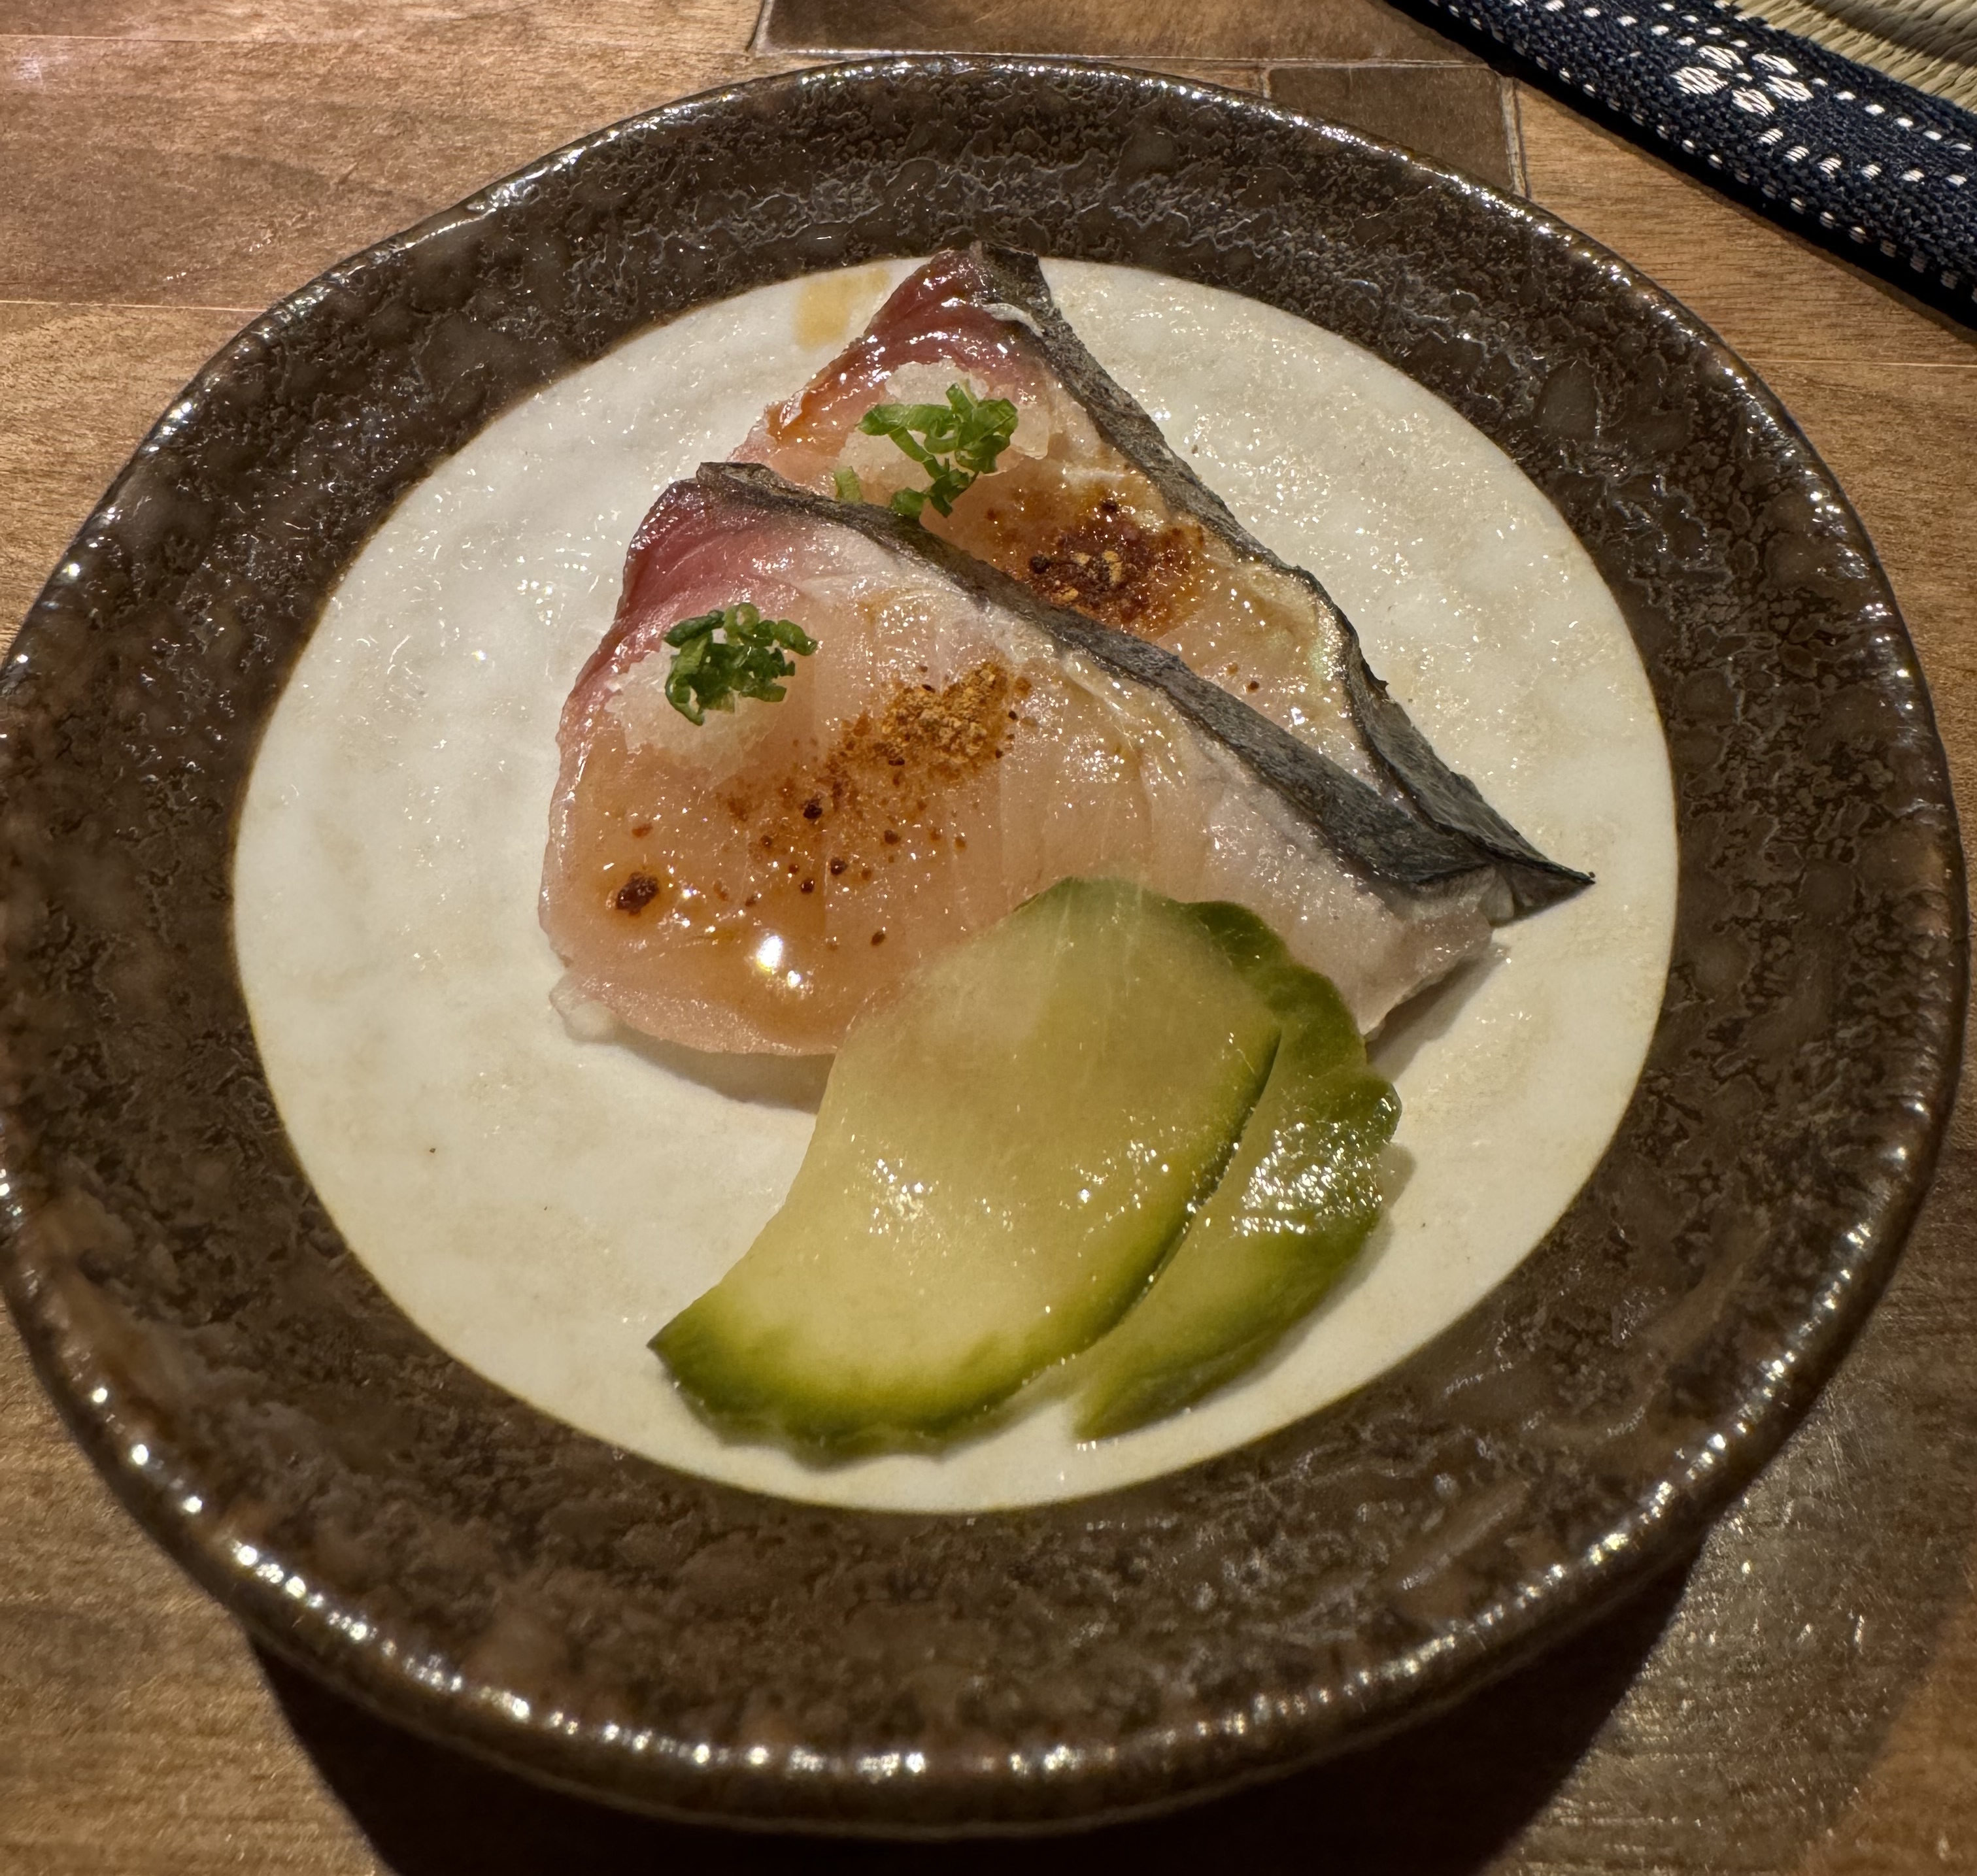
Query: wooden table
x: 1803, y: 1698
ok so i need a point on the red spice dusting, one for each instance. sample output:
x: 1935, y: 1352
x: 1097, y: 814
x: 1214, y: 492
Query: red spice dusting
x: 1106, y: 566
x: 930, y: 739
x: 636, y: 894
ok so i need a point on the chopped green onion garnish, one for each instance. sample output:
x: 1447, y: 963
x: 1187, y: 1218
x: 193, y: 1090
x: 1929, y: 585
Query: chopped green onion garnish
x: 709, y: 673
x: 954, y: 442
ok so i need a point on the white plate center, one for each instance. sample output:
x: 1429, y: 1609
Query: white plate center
x: 539, y: 1204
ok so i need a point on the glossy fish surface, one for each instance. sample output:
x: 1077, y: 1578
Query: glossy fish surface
x: 955, y: 745
x: 1092, y: 508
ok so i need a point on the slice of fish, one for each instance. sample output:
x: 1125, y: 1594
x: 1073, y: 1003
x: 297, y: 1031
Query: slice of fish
x: 1093, y: 510
x: 954, y: 746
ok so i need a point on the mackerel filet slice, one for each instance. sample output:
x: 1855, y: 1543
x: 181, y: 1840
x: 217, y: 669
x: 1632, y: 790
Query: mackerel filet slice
x: 954, y: 746
x: 1092, y: 509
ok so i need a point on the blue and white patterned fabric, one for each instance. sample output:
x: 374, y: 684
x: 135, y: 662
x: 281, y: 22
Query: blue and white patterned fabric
x: 1872, y: 164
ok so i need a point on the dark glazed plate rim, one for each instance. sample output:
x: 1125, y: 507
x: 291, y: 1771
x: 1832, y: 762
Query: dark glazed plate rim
x: 473, y: 1570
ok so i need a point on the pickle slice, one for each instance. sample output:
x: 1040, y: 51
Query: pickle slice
x: 1003, y: 1157
x: 1293, y: 1207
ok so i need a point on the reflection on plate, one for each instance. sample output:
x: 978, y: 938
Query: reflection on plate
x: 484, y: 1571
x: 519, y: 1191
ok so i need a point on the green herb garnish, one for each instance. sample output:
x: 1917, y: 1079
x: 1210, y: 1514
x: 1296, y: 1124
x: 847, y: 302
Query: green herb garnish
x: 709, y: 674
x: 845, y: 481
x: 962, y: 438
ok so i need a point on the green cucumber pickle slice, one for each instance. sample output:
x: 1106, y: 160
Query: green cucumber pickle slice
x: 1003, y: 1157
x: 1292, y: 1209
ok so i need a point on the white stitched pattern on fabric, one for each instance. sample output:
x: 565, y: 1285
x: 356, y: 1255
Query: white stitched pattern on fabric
x: 1745, y: 99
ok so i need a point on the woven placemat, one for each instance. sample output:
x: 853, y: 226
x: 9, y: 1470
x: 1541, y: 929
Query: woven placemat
x: 1876, y: 168
x: 1931, y: 44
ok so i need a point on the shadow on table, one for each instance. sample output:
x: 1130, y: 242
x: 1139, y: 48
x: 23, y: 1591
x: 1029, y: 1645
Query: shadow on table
x: 1438, y: 1800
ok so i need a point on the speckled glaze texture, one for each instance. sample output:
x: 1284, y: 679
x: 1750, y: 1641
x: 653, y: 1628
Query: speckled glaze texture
x: 379, y: 1513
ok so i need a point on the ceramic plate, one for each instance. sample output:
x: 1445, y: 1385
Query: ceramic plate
x: 257, y: 1301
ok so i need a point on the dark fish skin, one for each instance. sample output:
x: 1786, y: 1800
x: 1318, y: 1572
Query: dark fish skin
x: 1014, y: 289
x: 1373, y: 834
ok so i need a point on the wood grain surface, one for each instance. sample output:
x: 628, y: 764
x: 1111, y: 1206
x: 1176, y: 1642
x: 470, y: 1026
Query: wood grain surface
x: 1803, y: 1698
